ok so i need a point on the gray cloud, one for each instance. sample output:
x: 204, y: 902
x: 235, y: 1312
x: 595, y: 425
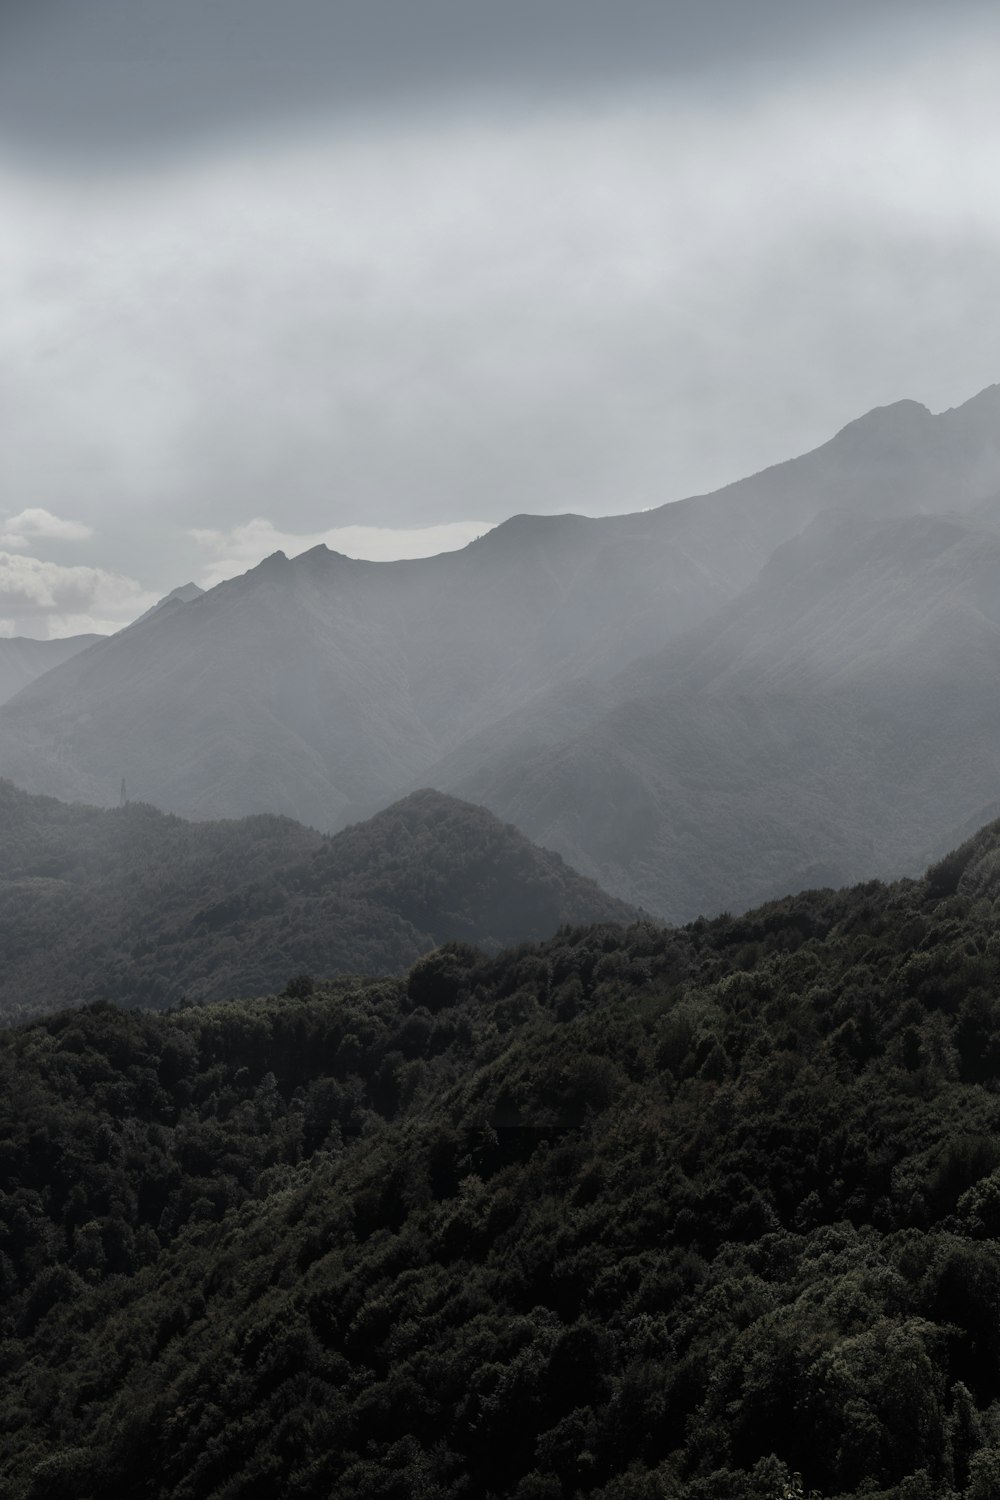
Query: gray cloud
x: 114, y: 79
x: 35, y: 523
x: 40, y: 598
x: 598, y: 306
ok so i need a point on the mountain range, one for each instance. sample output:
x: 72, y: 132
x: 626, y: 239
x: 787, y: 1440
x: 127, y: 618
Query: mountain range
x: 787, y: 682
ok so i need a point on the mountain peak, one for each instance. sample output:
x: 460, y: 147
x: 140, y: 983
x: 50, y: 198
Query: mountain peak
x: 526, y: 529
x: 322, y: 556
x: 896, y: 422
x: 183, y: 594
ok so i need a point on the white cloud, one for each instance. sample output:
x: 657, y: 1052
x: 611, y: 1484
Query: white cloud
x: 44, y: 599
x: 35, y: 523
x: 244, y: 546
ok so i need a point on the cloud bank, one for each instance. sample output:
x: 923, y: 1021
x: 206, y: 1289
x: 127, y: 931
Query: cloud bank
x: 34, y: 523
x: 365, y: 333
x: 45, y: 599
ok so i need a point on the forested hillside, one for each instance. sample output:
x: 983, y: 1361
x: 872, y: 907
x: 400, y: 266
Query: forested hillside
x: 631, y: 1214
x: 136, y: 906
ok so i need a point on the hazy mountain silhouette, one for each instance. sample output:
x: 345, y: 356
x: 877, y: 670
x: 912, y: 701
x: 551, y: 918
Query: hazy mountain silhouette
x: 840, y: 720
x: 134, y: 905
x: 699, y: 703
x: 180, y: 595
x: 23, y: 659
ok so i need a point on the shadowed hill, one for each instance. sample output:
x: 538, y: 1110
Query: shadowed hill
x: 134, y: 905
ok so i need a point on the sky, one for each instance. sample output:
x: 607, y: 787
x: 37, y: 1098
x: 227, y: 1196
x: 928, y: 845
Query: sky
x: 381, y: 273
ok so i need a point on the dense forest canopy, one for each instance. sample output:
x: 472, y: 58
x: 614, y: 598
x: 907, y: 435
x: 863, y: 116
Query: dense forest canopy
x: 133, y: 905
x: 631, y: 1213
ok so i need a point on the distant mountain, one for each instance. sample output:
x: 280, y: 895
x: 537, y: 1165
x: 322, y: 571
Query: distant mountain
x: 322, y: 687
x: 22, y: 659
x: 181, y: 595
x: 788, y: 682
x: 134, y: 905
x: 837, y: 721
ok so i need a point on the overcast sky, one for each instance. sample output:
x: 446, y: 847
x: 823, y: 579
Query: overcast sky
x: 384, y: 273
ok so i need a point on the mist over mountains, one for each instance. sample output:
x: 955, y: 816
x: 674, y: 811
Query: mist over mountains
x: 840, y: 718
x: 23, y: 659
x: 788, y: 682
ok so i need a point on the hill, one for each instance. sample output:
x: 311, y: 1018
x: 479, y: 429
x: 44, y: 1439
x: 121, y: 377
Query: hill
x: 134, y: 905
x: 323, y: 687
x: 628, y: 1214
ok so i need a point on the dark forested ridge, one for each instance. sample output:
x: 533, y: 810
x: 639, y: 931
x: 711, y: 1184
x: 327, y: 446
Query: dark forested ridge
x: 135, y: 906
x: 631, y: 1214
